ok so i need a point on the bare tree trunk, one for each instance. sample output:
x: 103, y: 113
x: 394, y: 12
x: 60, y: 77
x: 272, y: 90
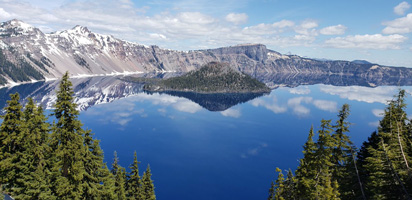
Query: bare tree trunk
x: 357, y: 174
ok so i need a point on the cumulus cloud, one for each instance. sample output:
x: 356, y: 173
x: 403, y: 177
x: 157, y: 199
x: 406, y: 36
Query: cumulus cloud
x: 300, y: 90
x: 400, y: 25
x: 178, y: 103
x: 177, y: 28
x: 231, y: 112
x: 119, y: 112
x: 307, y: 28
x: 297, y: 107
x: 264, y: 29
x: 363, y: 94
x: 401, y: 8
x: 333, y: 30
x: 271, y: 105
x: 237, y: 18
x: 376, y: 41
x: 325, y: 105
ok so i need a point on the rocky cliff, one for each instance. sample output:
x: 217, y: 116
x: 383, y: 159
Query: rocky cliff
x: 27, y: 54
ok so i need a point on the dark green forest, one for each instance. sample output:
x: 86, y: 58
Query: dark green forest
x: 39, y: 160
x: 214, y: 77
x: 333, y: 168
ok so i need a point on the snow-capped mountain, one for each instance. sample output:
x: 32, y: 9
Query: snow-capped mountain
x: 27, y: 54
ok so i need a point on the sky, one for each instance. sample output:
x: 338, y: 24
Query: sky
x: 379, y: 31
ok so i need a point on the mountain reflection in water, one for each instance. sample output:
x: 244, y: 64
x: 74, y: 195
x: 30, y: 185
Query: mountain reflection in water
x: 97, y: 90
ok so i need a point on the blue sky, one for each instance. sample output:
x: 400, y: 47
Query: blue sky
x: 375, y: 30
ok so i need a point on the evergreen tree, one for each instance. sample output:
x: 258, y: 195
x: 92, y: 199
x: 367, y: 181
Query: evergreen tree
x: 148, y: 189
x: 325, y: 187
x: 120, y: 178
x: 134, y: 182
x: 341, y: 152
x: 271, y: 191
x: 279, y: 186
x: 67, y: 143
x: 34, y: 183
x: 96, y: 170
x: 290, y: 186
x: 344, y: 169
x: 12, y: 143
x: 383, y: 182
x: 305, y: 172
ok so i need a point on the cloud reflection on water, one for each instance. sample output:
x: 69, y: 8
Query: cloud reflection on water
x: 364, y: 94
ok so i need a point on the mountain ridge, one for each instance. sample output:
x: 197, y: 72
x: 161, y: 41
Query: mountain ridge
x: 85, y: 53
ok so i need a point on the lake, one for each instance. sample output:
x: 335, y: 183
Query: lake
x: 214, y: 146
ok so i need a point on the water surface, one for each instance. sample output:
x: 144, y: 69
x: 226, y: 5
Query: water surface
x: 221, y: 146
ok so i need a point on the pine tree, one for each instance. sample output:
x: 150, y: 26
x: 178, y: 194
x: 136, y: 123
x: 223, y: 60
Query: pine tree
x: 271, y: 191
x: 306, y: 173
x: 325, y: 187
x: 120, y: 178
x: 134, y: 182
x: 341, y: 151
x: 67, y: 143
x: 12, y: 143
x: 148, y: 189
x: 279, y: 186
x: 290, y: 186
x: 96, y: 170
x: 34, y: 183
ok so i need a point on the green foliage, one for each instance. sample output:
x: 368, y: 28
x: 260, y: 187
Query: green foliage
x: 18, y: 72
x: 212, y: 78
x: 329, y: 168
x: 12, y: 143
x: 148, y: 189
x: 59, y: 161
x: 134, y: 181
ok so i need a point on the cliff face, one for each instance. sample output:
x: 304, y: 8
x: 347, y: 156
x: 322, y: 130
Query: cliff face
x: 82, y: 52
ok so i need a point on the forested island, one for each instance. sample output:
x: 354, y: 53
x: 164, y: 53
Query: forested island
x: 39, y: 160
x: 214, y: 77
x: 333, y: 168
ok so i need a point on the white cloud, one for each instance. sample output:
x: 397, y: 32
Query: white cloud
x: 299, y: 90
x: 118, y: 112
x: 297, y: 107
x: 400, y: 25
x: 378, y: 112
x: 376, y: 41
x: 174, y: 29
x: 178, y: 103
x: 325, y: 105
x: 157, y: 36
x: 265, y: 29
x: 333, y: 30
x: 237, y: 18
x: 401, y: 8
x: 359, y: 93
x: 307, y: 28
x: 4, y: 14
x: 231, y: 112
x: 273, y: 105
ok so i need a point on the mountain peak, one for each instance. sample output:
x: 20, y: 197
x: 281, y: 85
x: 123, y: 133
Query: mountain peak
x: 15, y: 23
x: 80, y: 30
x: 16, y: 27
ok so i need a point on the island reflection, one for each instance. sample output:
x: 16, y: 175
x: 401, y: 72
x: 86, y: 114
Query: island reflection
x: 98, y: 90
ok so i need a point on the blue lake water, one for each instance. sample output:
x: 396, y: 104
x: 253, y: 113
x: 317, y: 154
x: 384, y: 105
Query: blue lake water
x: 232, y: 154
x: 209, y: 146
